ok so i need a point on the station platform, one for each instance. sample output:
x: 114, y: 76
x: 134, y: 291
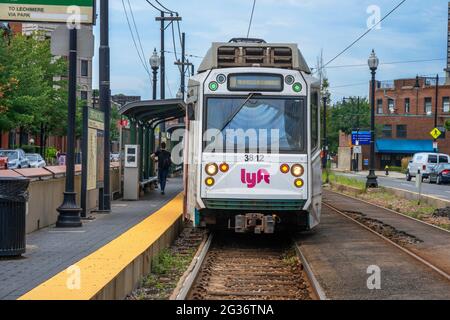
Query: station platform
x: 101, y: 260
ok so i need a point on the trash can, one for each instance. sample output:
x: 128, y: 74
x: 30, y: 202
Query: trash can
x: 13, y: 202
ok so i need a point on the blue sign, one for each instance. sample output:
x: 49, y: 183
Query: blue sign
x: 362, y: 137
x: 366, y: 162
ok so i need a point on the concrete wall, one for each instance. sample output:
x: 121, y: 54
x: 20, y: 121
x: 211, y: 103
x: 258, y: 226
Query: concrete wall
x: 47, y: 195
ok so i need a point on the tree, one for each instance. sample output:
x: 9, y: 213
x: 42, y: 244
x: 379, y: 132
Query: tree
x: 38, y: 103
x: 343, y: 116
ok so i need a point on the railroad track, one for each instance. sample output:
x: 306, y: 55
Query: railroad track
x: 391, y: 240
x: 241, y: 267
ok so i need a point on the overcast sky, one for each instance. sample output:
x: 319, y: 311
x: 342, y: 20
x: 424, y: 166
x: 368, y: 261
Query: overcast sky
x: 416, y: 31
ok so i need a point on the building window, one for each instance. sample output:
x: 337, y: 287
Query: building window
x: 428, y: 106
x: 84, y: 68
x: 391, y: 105
x: 446, y: 104
x: 84, y: 95
x: 380, y: 106
x: 387, y: 131
x: 402, y: 131
x: 407, y: 105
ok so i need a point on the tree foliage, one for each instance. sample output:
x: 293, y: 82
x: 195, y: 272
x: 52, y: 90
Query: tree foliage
x: 36, y: 95
x: 343, y: 116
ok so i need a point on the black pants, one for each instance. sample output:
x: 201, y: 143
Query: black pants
x: 162, y: 176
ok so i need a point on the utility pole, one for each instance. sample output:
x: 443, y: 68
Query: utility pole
x: 183, y: 65
x: 163, y: 20
x: 105, y: 104
x: 69, y: 212
x: 436, y: 111
x: 358, y: 128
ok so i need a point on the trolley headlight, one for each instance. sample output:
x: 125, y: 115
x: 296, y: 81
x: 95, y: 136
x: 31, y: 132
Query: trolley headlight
x: 290, y: 80
x: 224, y: 167
x: 297, y: 170
x: 299, y: 183
x: 212, y: 169
x: 221, y: 78
x: 285, y: 168
x: 210, y: 182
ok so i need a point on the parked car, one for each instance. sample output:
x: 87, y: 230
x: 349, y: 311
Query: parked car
x: 16, y: 158
x: 440, y: 174
x: 3, y: 163
x: 36, y: 160
x: 424, y: 162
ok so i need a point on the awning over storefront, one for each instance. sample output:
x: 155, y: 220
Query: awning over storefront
x: 387, y: 146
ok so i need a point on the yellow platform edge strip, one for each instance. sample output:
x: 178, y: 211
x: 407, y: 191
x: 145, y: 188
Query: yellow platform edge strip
x: 86, y: 278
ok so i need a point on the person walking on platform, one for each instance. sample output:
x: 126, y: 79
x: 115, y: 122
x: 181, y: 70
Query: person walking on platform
x: 164, y: 162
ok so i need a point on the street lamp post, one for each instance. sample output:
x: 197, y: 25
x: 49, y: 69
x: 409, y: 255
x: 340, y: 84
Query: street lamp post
x: 69, y: 212
x: 372, y: 180
x: 155, y: 62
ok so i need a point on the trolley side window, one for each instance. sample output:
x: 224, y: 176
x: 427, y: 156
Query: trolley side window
x: 314, y: 120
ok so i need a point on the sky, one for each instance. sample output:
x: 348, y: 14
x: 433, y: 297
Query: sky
x: 417, y: 30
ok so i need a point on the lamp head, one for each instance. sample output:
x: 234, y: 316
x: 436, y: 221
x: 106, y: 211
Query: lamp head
x: 373, y: 61
x: 155, y: 60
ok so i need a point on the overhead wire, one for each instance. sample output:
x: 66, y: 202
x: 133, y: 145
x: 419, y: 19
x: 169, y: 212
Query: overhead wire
x: 165, y: 8
x: 251, y: 18
x: 158, y: 9
x: 138, y: 35
x: 134, y: 40
x: 364, y: 34
x: 386, y: 63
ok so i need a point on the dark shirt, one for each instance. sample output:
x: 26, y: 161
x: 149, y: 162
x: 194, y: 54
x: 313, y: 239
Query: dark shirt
x: 163, y: 156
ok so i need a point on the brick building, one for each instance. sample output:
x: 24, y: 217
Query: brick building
x: 405, y: 112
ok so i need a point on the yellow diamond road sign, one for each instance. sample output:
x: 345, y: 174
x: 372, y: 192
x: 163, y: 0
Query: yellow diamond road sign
x: 435, y: 133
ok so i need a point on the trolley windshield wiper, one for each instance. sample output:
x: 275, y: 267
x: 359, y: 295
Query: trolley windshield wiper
x: 251, y: 95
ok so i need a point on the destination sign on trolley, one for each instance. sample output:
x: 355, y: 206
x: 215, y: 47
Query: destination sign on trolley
x: 255, y: 82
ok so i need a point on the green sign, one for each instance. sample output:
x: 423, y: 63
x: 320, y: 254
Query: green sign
x: 96, y: 119
x: 51, y: 11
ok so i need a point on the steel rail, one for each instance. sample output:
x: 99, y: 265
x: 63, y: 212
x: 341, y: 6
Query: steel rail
x: 405, y: 250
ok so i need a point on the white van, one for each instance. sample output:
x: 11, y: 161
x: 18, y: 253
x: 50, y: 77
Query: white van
x: 423, y: 162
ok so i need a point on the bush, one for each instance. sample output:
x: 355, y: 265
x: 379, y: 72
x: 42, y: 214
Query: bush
x: 405, y: 163
x: 397, y: 169
x: 50, y: 154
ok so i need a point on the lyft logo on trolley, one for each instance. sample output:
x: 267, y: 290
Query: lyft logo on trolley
x: 253, y: 179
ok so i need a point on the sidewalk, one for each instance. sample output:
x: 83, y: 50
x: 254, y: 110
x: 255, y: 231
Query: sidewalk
x: 393, y: 175
x: 50, y: 251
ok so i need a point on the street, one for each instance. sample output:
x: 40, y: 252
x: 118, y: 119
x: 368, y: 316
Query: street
x: 434, y: 190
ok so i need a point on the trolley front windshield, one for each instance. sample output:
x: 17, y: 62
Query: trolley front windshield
x: 255, y: 124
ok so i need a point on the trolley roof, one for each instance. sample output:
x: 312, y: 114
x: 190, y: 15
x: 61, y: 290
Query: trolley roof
x: 254, y: 52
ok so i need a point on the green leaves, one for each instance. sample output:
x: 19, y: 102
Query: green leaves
x: 346, y: 117
x: 29, y: 97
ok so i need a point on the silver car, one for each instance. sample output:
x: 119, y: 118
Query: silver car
x: 16, y: 159
x: 36, y: 160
